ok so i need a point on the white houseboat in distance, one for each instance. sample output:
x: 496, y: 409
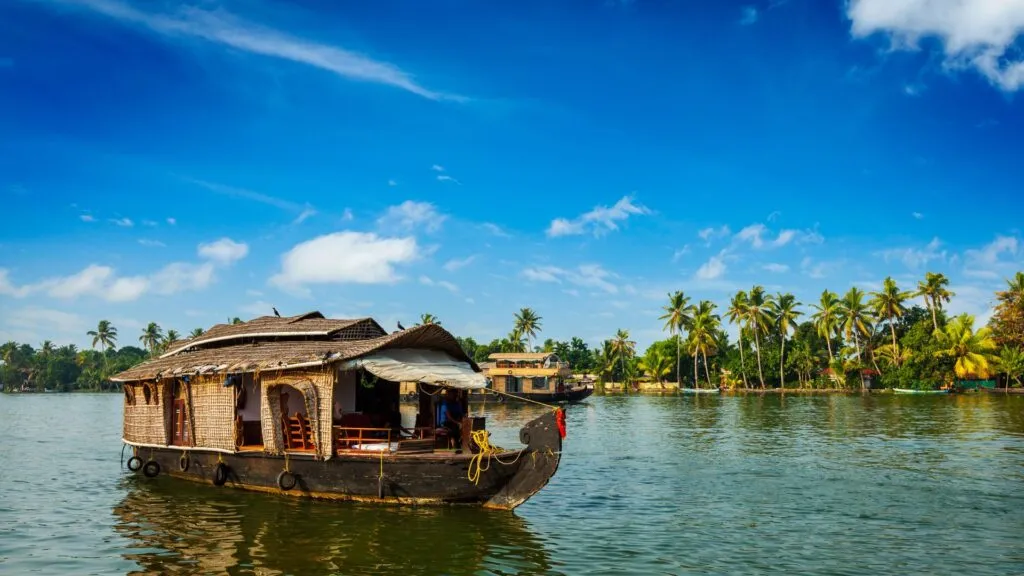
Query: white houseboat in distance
x: 539, y: 376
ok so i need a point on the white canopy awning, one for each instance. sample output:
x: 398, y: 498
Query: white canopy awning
x: 426, y: 366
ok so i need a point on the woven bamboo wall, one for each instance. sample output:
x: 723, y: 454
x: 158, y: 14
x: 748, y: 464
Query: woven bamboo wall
x: 145, y: 422
x: 317, y: 387
x: 213, y: 412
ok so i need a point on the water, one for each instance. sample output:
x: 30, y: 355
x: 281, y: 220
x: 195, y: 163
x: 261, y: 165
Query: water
x: 675, y: 485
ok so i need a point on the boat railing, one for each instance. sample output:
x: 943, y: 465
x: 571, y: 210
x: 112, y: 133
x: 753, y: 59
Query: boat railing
x: 362, y: 438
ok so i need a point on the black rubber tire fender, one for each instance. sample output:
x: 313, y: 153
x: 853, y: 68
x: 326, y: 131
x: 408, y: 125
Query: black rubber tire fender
x: 134, y: 463
x: 220, y: 474
x: 286, y: 480
x: 151, y: 469
x: 184, y: 462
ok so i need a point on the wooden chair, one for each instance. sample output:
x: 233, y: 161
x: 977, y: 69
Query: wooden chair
x: 298, y: 435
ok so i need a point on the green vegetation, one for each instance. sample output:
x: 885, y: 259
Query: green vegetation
x: 844, y: 342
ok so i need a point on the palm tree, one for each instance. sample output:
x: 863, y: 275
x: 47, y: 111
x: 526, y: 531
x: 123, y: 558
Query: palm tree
x: 973, y: 352
x: 888, y: 304
x: 1011, y: 363
x: 933, y: 290
x: 757, y: 322
x: 171, y: 338
x: 514, y: 342
x: 702, y: 336
x: 528, y: 324
x: 196, y: 333
x: 152, y: 334
x: 428, y: 319
x: 105, y: 335
x: 623, y: 348
x: 853, y: 318
x: 826, y: 319
x: 784, y: 314
x: 1014, y: 289
x: 677, y: 316
x: 656, y: 365
x: 735, y: 314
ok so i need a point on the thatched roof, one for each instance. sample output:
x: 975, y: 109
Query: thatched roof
x: 282, y: 354
x: 311, y: 325
x: 538, y: 356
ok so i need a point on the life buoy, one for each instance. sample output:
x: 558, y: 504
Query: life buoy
x: 286, y: 480
x: 220, y: 474
x: 135, y: 463
x: 151, y: 469
x: 183, y: 462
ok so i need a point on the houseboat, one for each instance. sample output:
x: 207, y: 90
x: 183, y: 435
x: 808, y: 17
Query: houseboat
x: 539, y: 376
x: 308, y: 406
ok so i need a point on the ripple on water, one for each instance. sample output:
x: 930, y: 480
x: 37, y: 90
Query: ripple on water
x: 670, y: 485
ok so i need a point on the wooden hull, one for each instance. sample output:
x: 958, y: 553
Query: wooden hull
x: 506, y: 481
x: 700, y: 390
x: 571, y: 396
x: 1010, y: 391
x: 910, y: 391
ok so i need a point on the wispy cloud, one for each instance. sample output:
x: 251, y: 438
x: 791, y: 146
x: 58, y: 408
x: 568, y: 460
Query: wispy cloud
x: 989, y: 261
x: 600, y: 220
x: 710, y: 233
x: 223, y: 28
x: 456, y: 263
x: 307, y: 212
x: 302, y: 211
x: 447, y: 178
x: 87, y: 218
x: 914, y: 257
x: 172, y: 221
x: 917, y: 215
x: 123, y: 222
x: 427, y: 281
x: 411, y: 214
x: 392, y: 182
x: 713, y: 269
x: 775, y: 267
x: 152, y: 243
x: 585, y: 275
x: 495, y: 229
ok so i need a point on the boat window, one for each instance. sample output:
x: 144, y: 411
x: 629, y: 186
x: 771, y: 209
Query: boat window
x: 513, y: 384
x: 540, y: 383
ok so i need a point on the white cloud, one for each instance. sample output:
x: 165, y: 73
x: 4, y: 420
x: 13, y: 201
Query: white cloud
x: 123, y: 222
x: 392, y: 183
x: 224, y: 251
x: 916, y: 258
x: 149, y: 223
x: 713, y: 269
x: 710, y: 233
x: 819, y: 269
x: 34, y: 324
x: 542, y: 274
x: 176, y: 277
x: 680, y: 253
x: 917, y: 215
x: 347, y: 215
x: 152, y: 243
x: 600, y: 220
x: 446, y: 178
x: 749, y: 16
x: 974, y: 300
x: 172, y: 221
x: 773, y: 216
x: 974, y: 33
x: 758, y: 236
x: 495, y: 229
x: 344, y: 257
x: 218, y: 26
x: 455, y: 263
x: 410, y: 215
x: 307, y: 212
x: 776, y: 267
x: 87, y: 218
x: 427, y: 281
x: 7, y: 288
x: 233, y: 192
x: 988, y: 262
x: 437, y: 168
x: 585, y: 275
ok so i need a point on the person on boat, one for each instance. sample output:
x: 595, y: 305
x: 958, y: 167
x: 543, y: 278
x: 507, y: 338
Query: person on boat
x: 451, y: 414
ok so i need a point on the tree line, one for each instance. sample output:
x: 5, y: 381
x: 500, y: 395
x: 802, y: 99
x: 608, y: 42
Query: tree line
x: 838, y: 342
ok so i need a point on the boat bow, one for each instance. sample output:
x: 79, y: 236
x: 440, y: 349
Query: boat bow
x: 537, y: 462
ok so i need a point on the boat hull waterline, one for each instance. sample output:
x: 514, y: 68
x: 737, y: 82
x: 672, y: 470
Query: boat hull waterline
x: 911, y: 391
x: 700, y: 390
x: 506, y: 481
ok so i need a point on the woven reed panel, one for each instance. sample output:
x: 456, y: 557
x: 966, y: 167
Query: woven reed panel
x: 144, y: 422
x: 316, y: 386
x: 213, y: 412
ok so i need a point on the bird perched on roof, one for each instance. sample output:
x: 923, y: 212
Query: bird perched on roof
x: 276, y: 313
x: 400, y: 327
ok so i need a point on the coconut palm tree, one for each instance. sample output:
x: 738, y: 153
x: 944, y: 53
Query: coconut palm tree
x: 1014, y: 289
x: 973, y: 352
x: 623, y: 348
x: 428, y: 319
x: 933, y: 290
x: 656, y: 365
x: 888, y: 304
x: 1011, y: 363
x: 196, y: 333
x: 151, y: 337
x: 702, y: 336
x: 171, y: 338
x: 758, y: 320
x: 735, y: 314
x: 105, y: 335
x: 854, y: 321
x: 784, y: 314
x: 528, y: 324
x: 514, y: 342
x: 677, y: 316
x: 826, y: 318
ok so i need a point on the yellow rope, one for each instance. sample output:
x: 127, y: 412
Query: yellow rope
x: 482, y: 438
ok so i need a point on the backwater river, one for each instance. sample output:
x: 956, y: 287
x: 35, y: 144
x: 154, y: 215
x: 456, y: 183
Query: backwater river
x: 648, y: 485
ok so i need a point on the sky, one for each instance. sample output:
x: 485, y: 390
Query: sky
x: 184, y: 163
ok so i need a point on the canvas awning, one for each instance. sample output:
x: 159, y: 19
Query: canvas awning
x: 426, y: 366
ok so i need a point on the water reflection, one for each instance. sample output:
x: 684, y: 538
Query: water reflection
x: 182, y: 528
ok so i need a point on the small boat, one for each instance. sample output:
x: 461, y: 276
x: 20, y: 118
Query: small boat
x: 912, y: 391
x: 309, y: 406
x: 700, y: 390
x: 538, y: 376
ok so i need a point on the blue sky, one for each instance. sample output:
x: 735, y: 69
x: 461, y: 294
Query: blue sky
x: 186, y: 162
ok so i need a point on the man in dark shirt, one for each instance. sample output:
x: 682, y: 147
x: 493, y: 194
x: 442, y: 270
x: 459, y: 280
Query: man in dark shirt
x: 451, y: 414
